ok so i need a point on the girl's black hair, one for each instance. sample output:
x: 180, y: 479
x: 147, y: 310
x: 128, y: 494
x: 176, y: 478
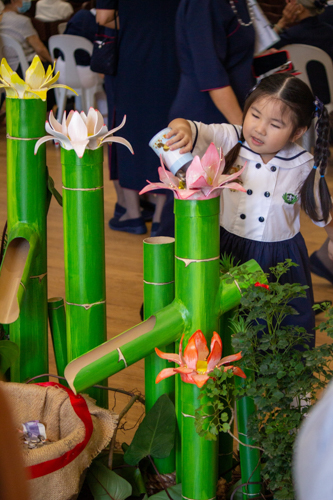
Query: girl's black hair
x: 298, y: 98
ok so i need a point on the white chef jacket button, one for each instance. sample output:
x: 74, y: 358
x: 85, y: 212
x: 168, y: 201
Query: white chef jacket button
x: 258, y: 165
x: 242, y: 216
x: 261, y: 219
x: 267, y: 194
x: 273, y: 169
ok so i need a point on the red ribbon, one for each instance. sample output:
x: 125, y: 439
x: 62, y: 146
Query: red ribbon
x: 81, y: 409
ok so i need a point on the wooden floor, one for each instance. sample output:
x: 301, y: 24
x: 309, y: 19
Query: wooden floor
x: 124, y: 272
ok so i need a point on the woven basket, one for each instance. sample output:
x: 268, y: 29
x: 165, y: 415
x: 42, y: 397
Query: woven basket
x: 78, y: 429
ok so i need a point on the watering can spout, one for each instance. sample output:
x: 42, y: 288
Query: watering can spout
x: 15, y: 270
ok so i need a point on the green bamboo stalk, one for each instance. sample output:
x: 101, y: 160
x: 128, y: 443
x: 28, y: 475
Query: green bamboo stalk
x: 226, y: 441
x: 159, y: 291
x: 57, y: 319
x: 26, y: 195
x: 197, y: 282
x: 127, y: 348
x: 84, y: 250
x: 249, y: 457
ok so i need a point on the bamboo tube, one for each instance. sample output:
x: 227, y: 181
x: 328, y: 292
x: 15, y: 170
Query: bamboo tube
x: 159, y: 291
x: 26, y: 194
x: 226, y: 441
x: 249, y: 457
x: 57, y: 319
x: 84, y: 250
x: 127, y: 348
x: 197, y: 253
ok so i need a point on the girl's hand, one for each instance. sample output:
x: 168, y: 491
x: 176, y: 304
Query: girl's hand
x: 180, y: 136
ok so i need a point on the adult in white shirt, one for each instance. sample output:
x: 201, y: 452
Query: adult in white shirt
x: 53, y: 10
x: 14, y: 24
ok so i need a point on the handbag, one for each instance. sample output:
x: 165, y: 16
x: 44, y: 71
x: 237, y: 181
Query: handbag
x: 104, y: 57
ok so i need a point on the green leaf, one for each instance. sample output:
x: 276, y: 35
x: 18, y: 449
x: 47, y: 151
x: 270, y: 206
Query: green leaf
x: 156, y: 433
x: 9, y: 351
x: 105, y: 484
x: 175, y: 493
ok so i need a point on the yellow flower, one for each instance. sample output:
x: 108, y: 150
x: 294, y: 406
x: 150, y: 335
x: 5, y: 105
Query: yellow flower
x: 36, y: 83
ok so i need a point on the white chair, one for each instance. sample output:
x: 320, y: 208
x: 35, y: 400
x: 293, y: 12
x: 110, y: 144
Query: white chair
x: 301, y: 55
x: 8, y: 43
x: 80, y: 78
x: 61, y: 28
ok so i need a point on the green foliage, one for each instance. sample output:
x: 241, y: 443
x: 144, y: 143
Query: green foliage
x: 156, y: 434
x: 174, y: 491
x: 105, y: 484
x: 9, y: 352
x: 282, y: 380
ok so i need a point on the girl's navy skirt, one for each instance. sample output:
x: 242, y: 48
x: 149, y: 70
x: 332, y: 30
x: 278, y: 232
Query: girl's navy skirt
x: 269, y: 254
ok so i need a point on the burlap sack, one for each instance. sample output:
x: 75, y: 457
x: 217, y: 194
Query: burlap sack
x: 52, y: 407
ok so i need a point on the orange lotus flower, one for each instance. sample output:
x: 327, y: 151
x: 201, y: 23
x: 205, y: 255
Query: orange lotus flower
x: 197, y: 363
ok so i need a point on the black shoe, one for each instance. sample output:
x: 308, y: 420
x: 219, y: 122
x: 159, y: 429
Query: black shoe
x: 148, y: 210
x: 154, y: 228
x: 118, y: 211
x: 318, y: 268
x: 134, y: 226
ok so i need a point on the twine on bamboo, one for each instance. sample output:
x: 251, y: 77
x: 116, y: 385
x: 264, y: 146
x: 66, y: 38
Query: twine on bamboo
x: 40, y: 277
x: 83, y: 189
x: 189, y: 261
x: 236, y: 283
x: 23, y: 138
x: 151, y: 283
x: 86, y: 306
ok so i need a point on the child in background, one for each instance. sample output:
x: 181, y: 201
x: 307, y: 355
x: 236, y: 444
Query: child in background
x: 280, y: 179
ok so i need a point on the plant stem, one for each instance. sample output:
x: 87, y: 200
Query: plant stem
x: 122, y: 391
x: 121, y: 415
x: 159, y: 476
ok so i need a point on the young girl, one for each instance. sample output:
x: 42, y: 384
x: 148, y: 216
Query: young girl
x: 280, y: 178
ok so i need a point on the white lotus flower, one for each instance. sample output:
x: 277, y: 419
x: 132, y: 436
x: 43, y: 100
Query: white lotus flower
x: 80, y: 131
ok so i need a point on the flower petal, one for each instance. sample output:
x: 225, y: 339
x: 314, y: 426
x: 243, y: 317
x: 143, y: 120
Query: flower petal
x: 183, y: 369
x: 79, y: 147
x: 77, y: 129
x: 199, y: 379
x: 201, y: 345
x: 211, y: 164
x: 236, y: 371
x: 215, y: 352
x: 167, y: 372
x: 41, y: 141
x: 191, y: 354
x: 195, y: 175
x: 174, y: 358
x: 155, y: 185
x: 54, y: 123
x: 35, y: 74
x: 119, y: 140
x: 230, y: 359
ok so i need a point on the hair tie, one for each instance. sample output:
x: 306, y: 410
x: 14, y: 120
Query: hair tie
x: 314, y: 166
x: 240, y: 142
x: 322, y: 175
x: 319, y: 106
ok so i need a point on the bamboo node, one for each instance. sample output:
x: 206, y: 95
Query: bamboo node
x: 22, y: 138
x: 151, y: 283
x: 86, y: 306
x: 83, y: 189
x: 40, y: 277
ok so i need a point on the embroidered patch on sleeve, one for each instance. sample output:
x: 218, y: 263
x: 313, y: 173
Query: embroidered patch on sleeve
x: 290, y: 198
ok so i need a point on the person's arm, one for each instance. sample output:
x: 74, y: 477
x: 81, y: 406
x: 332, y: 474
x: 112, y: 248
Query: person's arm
x: 39, y: 48
x: 289, y: 16
x: 329, y: 231
x: 226, y: 101
x: 106, y: 17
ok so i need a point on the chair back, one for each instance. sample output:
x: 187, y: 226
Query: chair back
x: 315, y: 65
x: 316, y: 68
x: 6, y: 42
x: 69, y: 74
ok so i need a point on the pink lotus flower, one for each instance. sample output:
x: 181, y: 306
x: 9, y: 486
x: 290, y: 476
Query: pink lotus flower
x: 197, y: 363
x: 204, y: 178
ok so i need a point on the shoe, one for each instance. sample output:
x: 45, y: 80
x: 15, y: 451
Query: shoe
x: 118, y: 211
x: 154, y: 228
x: 134, y: 226
x: 318, y: 268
